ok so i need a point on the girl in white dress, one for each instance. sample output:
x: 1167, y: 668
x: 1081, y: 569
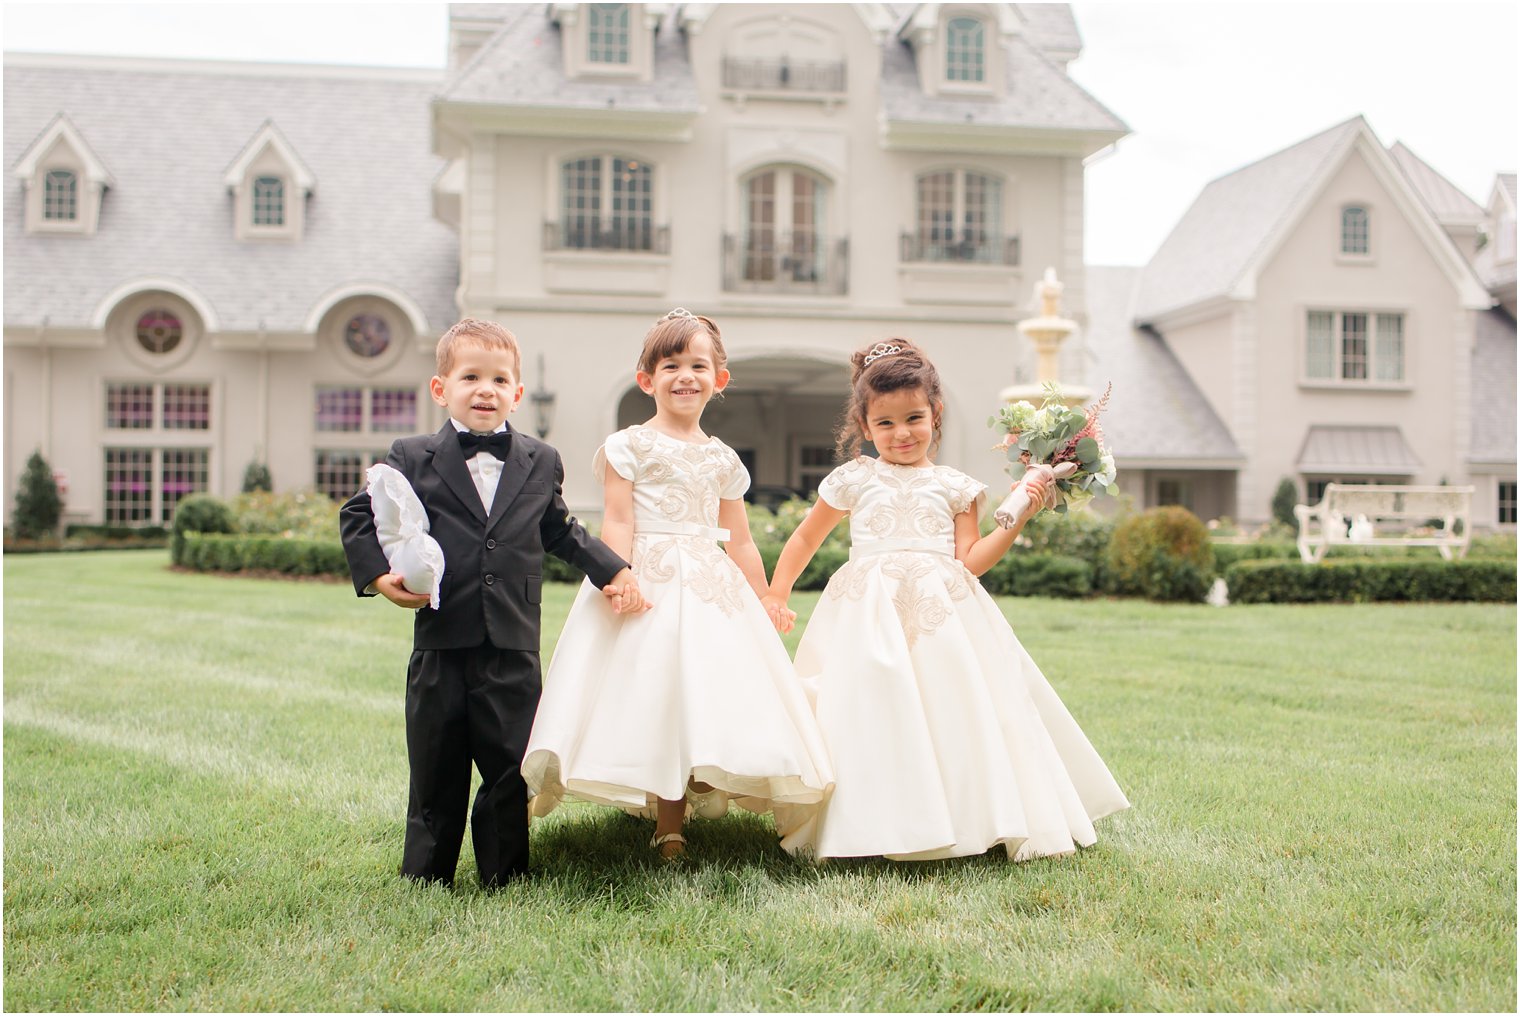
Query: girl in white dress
x: 945, y: 737
x: 695, y: 700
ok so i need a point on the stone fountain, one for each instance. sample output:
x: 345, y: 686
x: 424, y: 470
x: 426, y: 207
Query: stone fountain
x: 1046, y: 333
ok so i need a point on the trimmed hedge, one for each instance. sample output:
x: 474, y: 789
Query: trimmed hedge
x: 1227, y: 554
x: 1040, y: 575
x: 1365, y: 580
x: 235, y: 552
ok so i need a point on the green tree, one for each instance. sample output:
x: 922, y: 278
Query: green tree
x: 256, y: 477
x: 1283, y: 501
x: 38, y: 506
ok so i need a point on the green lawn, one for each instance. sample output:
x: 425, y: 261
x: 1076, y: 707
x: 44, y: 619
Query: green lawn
x: 205, y: 779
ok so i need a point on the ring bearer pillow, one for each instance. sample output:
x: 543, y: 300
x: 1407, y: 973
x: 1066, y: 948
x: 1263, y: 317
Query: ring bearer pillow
x: 402, y: 525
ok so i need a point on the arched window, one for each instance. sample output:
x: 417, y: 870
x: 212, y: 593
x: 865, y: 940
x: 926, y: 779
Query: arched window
x: 959, y: 217
x: 785, y: 227
x: 607, y: 203
x: 965, y: 50
x: 268, y: 201
x: 607, y: 33
x: 1354, y: 230
x: 60, y: 195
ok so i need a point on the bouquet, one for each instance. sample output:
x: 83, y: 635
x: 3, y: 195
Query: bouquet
x: 1065, y: 445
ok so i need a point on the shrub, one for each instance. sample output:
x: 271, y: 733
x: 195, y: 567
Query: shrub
x: 1161, y: 554
x: 1363, y: 580
x: 1039, y: 575
x: 256, y: 477
x: 234, y: 552
x: 302, y: 514
x: 38, y: 504
x: 1283, y: 500
x: 1084, y: 535
x: 1226, y: 554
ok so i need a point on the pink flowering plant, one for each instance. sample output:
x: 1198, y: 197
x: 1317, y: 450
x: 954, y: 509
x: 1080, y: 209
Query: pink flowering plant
x: 1061, y: 443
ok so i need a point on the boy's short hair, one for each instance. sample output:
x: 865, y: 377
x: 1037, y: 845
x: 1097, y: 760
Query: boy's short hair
x: 484, y: 333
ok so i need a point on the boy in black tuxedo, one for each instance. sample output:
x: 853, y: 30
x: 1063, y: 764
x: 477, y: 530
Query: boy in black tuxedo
x: 493, y: 501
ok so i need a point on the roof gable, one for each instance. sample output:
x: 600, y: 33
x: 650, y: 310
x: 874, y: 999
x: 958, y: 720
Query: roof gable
x: 1239, y: 221
x: 268, y: 137
x: 1446, y: 202
x: 63, y: 130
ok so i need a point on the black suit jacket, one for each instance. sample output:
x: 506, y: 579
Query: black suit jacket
x: 493, y: 562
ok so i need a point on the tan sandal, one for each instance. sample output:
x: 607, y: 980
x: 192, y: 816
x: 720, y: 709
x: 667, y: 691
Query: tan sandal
x: 659, y: 842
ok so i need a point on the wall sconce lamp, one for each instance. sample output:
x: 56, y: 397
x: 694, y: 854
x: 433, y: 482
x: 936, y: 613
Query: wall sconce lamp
x: 543, y: 403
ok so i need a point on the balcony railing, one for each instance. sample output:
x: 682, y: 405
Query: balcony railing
x: 985, y: 250
x: 784, y: 75
x: 778, y: 263
x: 639, y: 237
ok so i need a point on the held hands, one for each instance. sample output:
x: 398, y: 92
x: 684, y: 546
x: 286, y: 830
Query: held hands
x: 776, y: 609
x: 623, y: 593
x: 390, y: 587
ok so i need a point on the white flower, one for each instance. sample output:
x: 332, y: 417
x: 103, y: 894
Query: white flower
x: 1108, y: 471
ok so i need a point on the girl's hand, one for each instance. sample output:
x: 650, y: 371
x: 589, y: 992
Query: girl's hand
x: 624, y: 595
x: 776, y: 609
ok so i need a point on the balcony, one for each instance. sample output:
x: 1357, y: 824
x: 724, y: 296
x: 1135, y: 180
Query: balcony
x: 985, y: 250
x: 630, y: 258
x: 778, y: 263
x: 634, y: 237
x: 816, y: 77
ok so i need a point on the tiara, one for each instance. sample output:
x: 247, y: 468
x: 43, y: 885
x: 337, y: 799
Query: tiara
x: 680, y: 312
x: 880, y: 350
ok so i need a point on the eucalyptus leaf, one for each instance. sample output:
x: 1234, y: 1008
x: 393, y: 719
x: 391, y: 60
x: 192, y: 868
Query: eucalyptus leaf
x: 1088, y: 451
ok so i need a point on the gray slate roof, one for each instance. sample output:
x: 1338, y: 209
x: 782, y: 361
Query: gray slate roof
x: 169, y: 131
x: 1336, y: 448
x: 1157, y: 411
x: 1039, y: 94
x: 523, y: 65
x: 1507, y: 181
x: 1446, y: 202
x: 1220, y: 235
x: 1493, y: 388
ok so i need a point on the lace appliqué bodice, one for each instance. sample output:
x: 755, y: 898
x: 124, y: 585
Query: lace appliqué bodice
x: 673, y: 480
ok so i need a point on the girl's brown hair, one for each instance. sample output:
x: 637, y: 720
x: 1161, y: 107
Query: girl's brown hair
x: 906, y: 368
x: 673, y: 333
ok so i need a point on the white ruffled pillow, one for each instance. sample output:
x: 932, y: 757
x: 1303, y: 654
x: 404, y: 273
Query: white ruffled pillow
x: 402, y: 525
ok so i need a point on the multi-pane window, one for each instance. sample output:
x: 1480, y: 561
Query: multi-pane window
x: 814, y: 462
x: 1354, y: 230
x: 363, y: 412
x: 965, y: 50
x: 339, y: 472
x: 1174, y: 490
x: 607, y: 203
x: 607, y: 33
x: 60, y: 195
x: 785, y: 221
x: 144, y: 405
x: 356, y: 410
x: 146, y: 484
x: 159, y: 330
x: 1354, y: 346
x: 268, y: 201
x: 1506, y: 502
x: 959, y: 217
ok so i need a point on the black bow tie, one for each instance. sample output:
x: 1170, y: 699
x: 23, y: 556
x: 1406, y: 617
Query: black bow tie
x: 497, y: 444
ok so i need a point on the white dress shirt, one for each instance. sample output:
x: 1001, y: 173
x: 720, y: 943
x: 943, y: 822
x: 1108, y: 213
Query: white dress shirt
x: 485, y: 468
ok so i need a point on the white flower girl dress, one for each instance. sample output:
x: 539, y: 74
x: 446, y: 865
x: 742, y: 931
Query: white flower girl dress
x: 698, y: 687
x: 945, y: 737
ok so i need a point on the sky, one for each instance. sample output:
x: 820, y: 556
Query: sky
x: 1205, y: 88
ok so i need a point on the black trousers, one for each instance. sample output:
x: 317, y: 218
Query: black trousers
x: 463, y: 706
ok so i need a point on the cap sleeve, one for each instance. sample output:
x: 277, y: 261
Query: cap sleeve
x: 965, y: 492
x: 618, y: 453
x: 841, y: 488
x: 735, y: 478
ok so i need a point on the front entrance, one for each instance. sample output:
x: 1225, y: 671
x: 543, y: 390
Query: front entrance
x: 779, y: 414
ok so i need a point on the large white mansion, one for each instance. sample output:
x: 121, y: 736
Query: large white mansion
x: 214, y: 264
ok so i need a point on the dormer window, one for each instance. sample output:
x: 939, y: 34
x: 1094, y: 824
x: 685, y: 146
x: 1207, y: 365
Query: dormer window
x: 965, y: 51
x: 269, y: 185
x: 1355, y: 237
x: 60, y: 195
x: 268, y: 201
x: 607, y: 34
x: 63, y: 179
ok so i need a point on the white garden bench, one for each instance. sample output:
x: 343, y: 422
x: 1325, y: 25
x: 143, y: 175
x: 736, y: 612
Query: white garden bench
x: 1357, y: 515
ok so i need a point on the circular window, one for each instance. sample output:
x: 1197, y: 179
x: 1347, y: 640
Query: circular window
x: 367, y: 335
x: 159, y: 331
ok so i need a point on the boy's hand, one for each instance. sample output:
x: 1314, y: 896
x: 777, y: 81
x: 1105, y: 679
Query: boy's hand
x: 624, y: 595
x: 781, y: 616
x: 390, y: 587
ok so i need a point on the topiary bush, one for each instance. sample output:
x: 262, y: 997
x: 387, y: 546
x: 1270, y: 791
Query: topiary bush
x: 1283, y: 500
x: 38, y: 503
x: 1161, y: 554
x: 197, y: 513
x: 256, y: 477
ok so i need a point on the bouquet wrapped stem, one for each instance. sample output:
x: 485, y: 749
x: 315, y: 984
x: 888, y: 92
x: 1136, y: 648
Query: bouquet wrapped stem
x: 1060, y: 444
